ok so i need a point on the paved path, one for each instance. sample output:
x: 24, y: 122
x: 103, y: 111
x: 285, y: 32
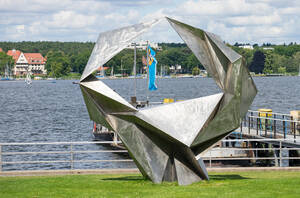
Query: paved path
x: 134, y: 171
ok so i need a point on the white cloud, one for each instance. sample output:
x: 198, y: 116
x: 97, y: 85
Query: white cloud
x: 221, y: 7
x: 27, y: 6
x: 234, y: 20
x: 254, y: 20
x: 70, y: 19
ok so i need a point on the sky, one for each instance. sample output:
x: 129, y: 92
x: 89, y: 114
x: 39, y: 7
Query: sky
x: 243, y: 21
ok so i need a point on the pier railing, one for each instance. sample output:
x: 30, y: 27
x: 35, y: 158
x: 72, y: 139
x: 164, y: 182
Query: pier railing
x: 270, y: 125
x: 94, y: 155
x: 60, y: 155
x: 255, y: 152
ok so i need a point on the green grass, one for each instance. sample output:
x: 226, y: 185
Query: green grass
x: 230, y: 184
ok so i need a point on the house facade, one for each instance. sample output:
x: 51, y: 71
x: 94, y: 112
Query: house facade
x: 34, y: 63
x: 142, y: 45
x: 21, y: 65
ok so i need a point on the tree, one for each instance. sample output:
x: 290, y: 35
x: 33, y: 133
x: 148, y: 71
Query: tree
x: 195, y: 71
x: 291, y: 63
x: 257, y: 64
x: 5, y: 60
x: 191, y: 62
x: 269, y: 60
x: 79, y: 61
x: 58, y: 64
x: 278, y: 61
x: 296, y: 62
x: 282, y: 70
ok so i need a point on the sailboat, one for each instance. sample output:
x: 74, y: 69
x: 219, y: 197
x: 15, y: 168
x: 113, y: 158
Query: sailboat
x: 112, y: 72
x: 101, y: 74
x: 7, y: 75
x: 28, y: 78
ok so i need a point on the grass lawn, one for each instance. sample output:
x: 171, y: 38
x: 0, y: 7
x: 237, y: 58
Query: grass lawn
x: 230, y: 184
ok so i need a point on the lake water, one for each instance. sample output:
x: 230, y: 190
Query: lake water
x: 51, y: 112
x: 46, y: 111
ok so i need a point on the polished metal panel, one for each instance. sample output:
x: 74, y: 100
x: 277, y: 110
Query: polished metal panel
x: 197, y: 111
x: 164, y: 140
x: 111, y: 43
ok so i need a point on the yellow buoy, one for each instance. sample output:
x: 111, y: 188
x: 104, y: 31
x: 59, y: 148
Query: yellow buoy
x: 168, y: 100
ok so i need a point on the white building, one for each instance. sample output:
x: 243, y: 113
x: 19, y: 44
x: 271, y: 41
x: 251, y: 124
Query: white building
x: 246, y: 47
x: 142, y: 45
x: 21, y: 65
x: 268, y: 48
x: 27, y: 62
x: 36, y: 63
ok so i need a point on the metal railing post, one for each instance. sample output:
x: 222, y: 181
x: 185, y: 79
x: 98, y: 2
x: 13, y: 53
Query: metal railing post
x: 274, y: 128
x: 291, y: 125
x: 294, y: 126
x: 280, y: 153
x: 257, y: 121
x: 249, y: 125
x: 266, y: 127
x: 0, y: 158
x: 241, y: 126
x: 72, y: 156
x: 251, y: 113
x: 210, y: 158
x: 284, y: 129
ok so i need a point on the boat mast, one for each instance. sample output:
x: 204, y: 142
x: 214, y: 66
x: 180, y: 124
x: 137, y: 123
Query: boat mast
x: 134, y: 69
x: 102, y: 71
x: 121, y: 68
x: 147, y: 49
x: 6, y: 75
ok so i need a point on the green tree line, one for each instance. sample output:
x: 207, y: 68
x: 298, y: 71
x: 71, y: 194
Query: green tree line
x: 66, y: 57
x: 268, y: 58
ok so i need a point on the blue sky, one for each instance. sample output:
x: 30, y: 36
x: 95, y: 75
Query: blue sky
x: 246, y: 21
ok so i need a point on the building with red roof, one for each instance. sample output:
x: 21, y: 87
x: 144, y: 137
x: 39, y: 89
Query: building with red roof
x: 36, y: 63
x: 101, y: 70
x: 14, y: 53
x: 27, y: 62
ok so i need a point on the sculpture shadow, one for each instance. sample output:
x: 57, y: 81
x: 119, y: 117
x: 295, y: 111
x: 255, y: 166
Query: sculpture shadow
x: 126, y: 178
x: 212, y: 177
x: 227, y: 177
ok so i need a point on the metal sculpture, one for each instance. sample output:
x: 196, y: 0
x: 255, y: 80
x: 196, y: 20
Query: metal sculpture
x: 164, y: 140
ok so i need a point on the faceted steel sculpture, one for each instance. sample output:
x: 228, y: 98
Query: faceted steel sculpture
x: 164, y: 140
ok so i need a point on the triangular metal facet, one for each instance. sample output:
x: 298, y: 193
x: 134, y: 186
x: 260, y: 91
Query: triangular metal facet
x: 149, y: 156
x: 111, y: 43
x: 197, y: 41
x: 184, y: 129
x: 109, y: 100
x: 185, y: 175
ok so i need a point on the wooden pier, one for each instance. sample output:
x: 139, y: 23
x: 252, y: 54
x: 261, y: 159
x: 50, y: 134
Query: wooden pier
x: 269, y: 125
